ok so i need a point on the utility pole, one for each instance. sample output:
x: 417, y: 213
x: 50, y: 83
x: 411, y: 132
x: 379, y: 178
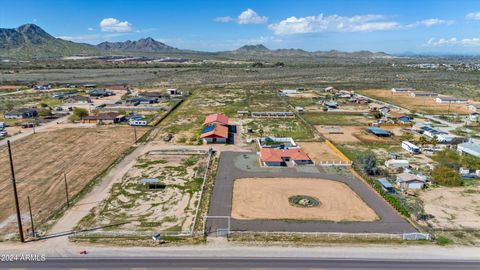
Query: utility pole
x: 31, y: 216
x: 66, y: 188
x: 15, y: 194
x: 135, y: 133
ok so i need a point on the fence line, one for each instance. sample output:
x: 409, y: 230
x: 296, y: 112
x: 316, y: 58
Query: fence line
x: 120, y: 234
x: 178, y: 152
x: 328, y: 235
x: 334, y: 163
x: 202, y: 189
x: 338, y: 152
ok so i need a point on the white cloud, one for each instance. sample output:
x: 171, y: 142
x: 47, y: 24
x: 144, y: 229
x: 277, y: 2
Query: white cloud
x: 442, y: 42
x: 249, y: 16
x: 224, y: 19
x: 333, y: 23
x: 432, y: 22
x: 90, y: 29
x: 336, y: 23
x: 475, y: 16
x: 115, y: 25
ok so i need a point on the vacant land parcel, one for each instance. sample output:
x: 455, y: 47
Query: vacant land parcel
x: 41, y: 159
x: 160, y: 193
x: 453, y: 208
x: 418, y: 104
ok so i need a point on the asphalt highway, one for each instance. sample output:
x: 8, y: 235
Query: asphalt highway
x: 237, y: 263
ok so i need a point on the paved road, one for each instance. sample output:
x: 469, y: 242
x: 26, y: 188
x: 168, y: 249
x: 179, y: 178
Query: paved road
x: 221, y: 202
x: 239, y: 263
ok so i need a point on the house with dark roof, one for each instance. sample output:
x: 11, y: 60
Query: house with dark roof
x: 21, y: 113
x: 100, y: 93
x: 104, y: 118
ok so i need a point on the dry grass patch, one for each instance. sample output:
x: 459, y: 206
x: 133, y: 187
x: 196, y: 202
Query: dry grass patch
x: 418, y: 104
x: 319, y: 152
x: 453, y: 208
x: 41, y: 159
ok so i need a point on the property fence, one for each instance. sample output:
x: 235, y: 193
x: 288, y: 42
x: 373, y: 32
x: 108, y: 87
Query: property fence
x: 133, y: 108
x: 202, y: 189
x: 334, y: 163
x: 178, y: 152
x: 338, y: 152
x: 130, y: 234
x: 319, y: 235
x: 416, y: 236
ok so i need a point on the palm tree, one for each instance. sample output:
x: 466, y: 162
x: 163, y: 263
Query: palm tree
x: 422, y: 141
x: 434, y: 141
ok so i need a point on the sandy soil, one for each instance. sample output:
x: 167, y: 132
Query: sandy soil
x: 319, y: 152
x: 266, y: 198
x: 171, y: 208
x: 346, y: 133
x: 305, y: 94
x: 356, y: 134
x: 41, y: 159
x: 453, y: 208
x: 419, y: 104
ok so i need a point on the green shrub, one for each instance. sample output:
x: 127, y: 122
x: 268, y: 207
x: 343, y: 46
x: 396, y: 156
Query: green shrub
x: 442, y: 240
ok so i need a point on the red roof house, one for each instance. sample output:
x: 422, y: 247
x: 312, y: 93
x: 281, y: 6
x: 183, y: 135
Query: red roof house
x: 216, y: 118
x: 215, y: 134
x: 281, y: 157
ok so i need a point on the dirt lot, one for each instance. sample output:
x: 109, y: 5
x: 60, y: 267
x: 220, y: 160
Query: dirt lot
x: 168, y: 208
x: 418, y: 104
x: 268, y: 198
x: 354, y: 134
x: 453, y: 208
x: 319, y: 152
x: 41, y: 159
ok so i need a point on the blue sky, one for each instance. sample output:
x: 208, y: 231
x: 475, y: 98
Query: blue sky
x: 445, y: 26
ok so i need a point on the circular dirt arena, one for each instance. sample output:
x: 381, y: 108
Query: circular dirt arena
x: 268, y: 198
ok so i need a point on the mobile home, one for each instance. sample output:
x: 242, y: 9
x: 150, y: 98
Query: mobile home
x: 410, y: 147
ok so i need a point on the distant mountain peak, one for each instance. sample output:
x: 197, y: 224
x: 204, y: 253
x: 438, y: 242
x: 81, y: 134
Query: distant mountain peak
x: 31, y: 41
x: 253, y: 48
x: 142, y: 45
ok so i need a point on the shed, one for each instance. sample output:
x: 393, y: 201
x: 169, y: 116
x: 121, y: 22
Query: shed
x: 379, y: 132
x: 386, y: 185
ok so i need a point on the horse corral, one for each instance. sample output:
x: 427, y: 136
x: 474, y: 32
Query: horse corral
x: 270, y: 198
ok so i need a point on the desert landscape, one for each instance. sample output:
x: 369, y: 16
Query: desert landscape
x: 265, y: 198
x: 41, y: 160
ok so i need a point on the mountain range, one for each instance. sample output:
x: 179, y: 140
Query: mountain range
x: 29, y: 41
